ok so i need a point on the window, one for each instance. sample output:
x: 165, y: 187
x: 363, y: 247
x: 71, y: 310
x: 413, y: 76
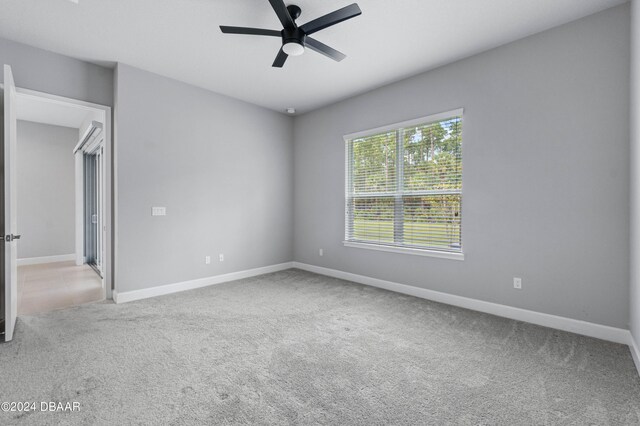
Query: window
x: 404, y: 187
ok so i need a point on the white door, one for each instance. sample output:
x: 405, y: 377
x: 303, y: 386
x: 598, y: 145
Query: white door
x: 99, y: 210
x: 101, y: 213
x: 10, y: 212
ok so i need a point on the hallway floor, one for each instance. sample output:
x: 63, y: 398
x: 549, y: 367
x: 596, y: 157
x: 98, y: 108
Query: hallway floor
x: 51, y: 286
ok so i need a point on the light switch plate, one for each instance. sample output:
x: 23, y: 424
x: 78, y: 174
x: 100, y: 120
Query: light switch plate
x: 158, y: 211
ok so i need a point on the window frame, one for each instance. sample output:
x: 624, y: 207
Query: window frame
x: 398, y: 127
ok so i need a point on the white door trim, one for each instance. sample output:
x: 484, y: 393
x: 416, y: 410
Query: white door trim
x: 109, y: 254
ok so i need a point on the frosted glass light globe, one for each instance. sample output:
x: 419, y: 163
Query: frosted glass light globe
x: 293, y: 49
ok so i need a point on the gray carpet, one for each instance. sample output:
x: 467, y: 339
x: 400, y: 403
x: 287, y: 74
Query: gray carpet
x: 299, y: 348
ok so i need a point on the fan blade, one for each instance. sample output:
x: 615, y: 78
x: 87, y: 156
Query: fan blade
x: 280, y: 59
x: 249, y: 31
x: 323, y: 49
x: 283, y: 14
x: 332, y: 18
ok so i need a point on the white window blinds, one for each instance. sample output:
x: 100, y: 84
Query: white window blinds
x: 404, y: 185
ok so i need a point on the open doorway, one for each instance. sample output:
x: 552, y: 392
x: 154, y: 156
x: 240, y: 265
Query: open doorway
x: 90, y: 127
x: 60, y: 203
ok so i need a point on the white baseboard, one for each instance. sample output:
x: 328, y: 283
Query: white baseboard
x: 146, y: 293
x: 46, y: 259
x: 604, y: 332
x: 635, y: 351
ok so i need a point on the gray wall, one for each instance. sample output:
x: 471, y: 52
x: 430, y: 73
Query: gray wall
x: 46, y: 191
x: 635, y: 171
x: 222, y: 168
x: 546, y: 176
x: 49, y: 72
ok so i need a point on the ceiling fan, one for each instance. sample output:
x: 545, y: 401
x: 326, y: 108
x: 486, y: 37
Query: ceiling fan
x: 295, y: 38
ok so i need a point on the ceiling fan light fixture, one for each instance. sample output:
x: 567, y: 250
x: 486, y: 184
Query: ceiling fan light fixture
x: 293, y: 48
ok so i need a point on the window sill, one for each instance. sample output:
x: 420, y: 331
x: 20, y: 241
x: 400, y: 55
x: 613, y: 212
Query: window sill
x: 406, y: 250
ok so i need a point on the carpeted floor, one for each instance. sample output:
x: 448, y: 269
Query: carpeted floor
x: 299, y: 348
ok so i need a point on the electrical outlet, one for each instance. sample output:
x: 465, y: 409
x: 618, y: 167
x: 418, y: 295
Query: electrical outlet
x: 221, y: 257
x: 517, y: 283
x: 321, y: 252
x: 207, y: 260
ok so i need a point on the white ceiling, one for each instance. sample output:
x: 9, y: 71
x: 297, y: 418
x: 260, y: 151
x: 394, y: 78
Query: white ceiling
x: 391, y: 40
x: 31, y: 108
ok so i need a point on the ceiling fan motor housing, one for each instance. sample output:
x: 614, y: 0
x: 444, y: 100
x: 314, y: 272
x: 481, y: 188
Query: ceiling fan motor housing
x: 293, y: 35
